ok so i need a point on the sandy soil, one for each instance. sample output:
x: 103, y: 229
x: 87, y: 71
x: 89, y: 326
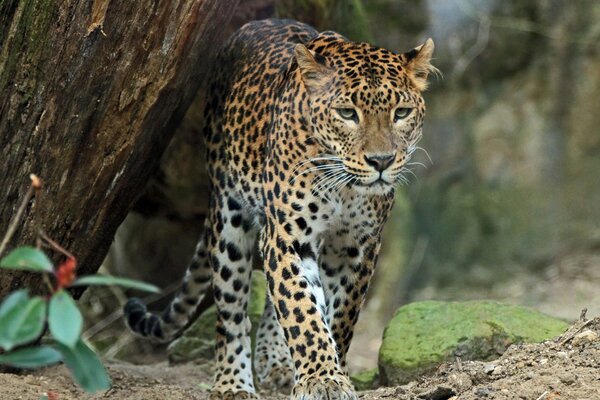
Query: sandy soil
x: 567, y: 367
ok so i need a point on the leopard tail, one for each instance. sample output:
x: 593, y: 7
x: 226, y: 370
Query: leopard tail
x: 181, y: 311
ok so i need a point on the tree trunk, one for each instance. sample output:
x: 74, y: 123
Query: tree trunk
x: 91, y: 92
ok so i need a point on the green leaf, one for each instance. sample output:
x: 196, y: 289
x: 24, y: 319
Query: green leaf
x: 23, y: 323
x: 33, y: 357
x: 13, y: 300
x: 64, y: 319
x: 27, y: 258
x: 113, y: 280
x: 86, y: 368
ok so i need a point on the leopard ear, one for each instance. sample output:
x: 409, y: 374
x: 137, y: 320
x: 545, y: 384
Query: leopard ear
x: 418, y: 63
x: 315, y: 74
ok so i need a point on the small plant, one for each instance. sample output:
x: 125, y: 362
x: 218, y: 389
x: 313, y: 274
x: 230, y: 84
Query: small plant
x: 23, y: 318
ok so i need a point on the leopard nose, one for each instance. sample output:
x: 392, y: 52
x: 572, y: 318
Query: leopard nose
x: 380, y: 161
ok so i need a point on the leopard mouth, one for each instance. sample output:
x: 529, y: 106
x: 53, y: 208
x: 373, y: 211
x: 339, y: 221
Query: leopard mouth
x: 362, y: 177
x: 379, y: 182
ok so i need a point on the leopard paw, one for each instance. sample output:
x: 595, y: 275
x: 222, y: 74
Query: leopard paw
x: 231, y: 395
x: 329, y: 388
x: 272, y: 360
x: 276, y: 377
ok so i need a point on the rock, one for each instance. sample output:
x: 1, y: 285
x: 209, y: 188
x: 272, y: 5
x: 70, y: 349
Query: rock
x: 568, y: 378
x: 484, y: 391
x: 584, y: 337
x: 460, y: 382
x: 489, y: 368
x: 423, y: 335
x: 438, y: 393
x: 365, y: 380
x: 198, y: 341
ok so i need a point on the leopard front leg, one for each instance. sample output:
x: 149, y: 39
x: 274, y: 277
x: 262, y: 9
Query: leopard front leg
x: 348, y: 259
x: 297, y: 295
x: 230, y: 246
x: 346, y: 270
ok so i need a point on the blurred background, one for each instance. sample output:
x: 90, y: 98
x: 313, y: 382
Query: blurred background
x: 507, y: 203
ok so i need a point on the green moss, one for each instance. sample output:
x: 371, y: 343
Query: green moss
x: 198, y: 342
x: 422, y: 335
x: 257, y: 301
x: 365, y: 380
x: 31, y: 22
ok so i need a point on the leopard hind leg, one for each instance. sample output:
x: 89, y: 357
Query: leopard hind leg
x: 272, y: 360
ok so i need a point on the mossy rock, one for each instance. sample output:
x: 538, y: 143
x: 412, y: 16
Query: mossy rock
x: 198, y: 341
x: 423, y: 335
x: 365, y: 380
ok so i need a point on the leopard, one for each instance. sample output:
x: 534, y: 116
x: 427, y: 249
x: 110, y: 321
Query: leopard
x: 308, y: 135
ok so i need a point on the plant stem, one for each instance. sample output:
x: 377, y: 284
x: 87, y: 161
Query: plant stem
x: 15, y: 222
x: 48, y: 283
x: 55, y: 245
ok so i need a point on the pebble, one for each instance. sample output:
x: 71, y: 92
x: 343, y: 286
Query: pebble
x: 529, y: 375
x: 567, y: 378
x: 584, y: 337
x: 489, y: 368
x: 484, y: 391
x: 460, y: 381
x: 437, y: 393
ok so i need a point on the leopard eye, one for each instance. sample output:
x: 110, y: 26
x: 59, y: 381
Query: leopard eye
x: 402, y: 113
x: 348, y: 114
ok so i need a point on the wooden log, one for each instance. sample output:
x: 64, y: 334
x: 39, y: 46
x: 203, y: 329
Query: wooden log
x: 90, y: 95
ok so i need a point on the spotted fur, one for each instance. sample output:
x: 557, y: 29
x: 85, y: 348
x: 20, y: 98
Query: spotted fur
x: 307, y: 135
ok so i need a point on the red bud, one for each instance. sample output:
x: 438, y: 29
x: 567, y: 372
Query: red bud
x: 65, y: 274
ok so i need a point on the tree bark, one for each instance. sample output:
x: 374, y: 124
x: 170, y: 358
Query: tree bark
x: 91, y: 92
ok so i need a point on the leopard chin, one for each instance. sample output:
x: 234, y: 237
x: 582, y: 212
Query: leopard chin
x: 379, y: 187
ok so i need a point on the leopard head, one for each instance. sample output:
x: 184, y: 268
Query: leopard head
x: 366, y: 107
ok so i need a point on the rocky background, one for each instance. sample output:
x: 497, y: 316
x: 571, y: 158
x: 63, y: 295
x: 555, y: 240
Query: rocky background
x: 507, y: 205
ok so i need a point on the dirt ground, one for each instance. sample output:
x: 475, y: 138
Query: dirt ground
x: 567, y: 367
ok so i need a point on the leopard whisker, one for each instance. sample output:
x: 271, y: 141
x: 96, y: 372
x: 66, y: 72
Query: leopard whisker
x: 313, y: 159
x: 352, y: 181
x: 316, y: 168
x: 410, y: 171
x: 426, y: 153
x: 319, y: 179
x: 334, y: 184
x: 417, y: 163
x: 343, y: 183
x: 402, y: 179
x: 326, y: 179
